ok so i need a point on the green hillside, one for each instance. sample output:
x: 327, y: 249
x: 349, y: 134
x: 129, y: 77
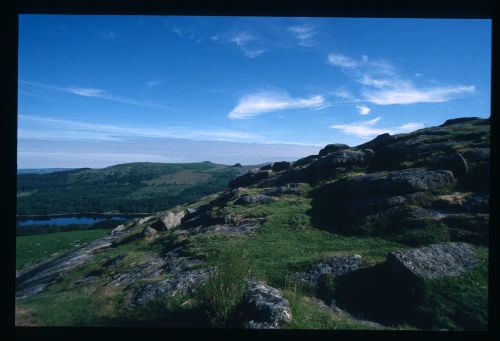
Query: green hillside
x: 131, y: 187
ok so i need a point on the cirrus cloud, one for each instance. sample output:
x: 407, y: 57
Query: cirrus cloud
x: 263, y: 102
x: 367, y: 129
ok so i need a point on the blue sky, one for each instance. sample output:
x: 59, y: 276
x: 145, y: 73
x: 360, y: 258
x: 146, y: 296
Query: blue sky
x: 100, y: 90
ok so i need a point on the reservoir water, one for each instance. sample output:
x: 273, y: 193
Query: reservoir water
x: 72, y: 219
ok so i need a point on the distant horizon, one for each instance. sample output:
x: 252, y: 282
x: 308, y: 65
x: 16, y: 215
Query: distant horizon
x: 96, y: 91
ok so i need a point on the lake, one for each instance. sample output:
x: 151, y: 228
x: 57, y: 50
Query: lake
x: 72, y: 219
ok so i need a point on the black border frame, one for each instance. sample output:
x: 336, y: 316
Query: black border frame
x: 464, y: 9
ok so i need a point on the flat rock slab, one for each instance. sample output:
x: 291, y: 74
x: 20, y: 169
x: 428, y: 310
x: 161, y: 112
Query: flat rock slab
x: 265, y: 307
x: 243, y: 228
x: 251, y: 199
x: 35, y: 279
x: 180, y: 284
x: 435, y: 261
x: 277, y: 191
x: 337, y: 266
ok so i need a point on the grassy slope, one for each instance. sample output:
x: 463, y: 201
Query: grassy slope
x: 30, y: 249
x: 133, y: 187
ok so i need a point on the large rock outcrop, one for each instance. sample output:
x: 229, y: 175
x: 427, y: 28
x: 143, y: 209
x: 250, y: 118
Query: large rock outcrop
x: 434, y: 261
x: 171, y: 219
x: 336, y: 266
x: 265, y: 307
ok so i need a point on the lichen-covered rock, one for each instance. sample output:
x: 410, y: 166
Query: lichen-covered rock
x: 399, y: 182
x: 265, y: 307
x: 119, y: 229
x: 171, y: 219
x: 344, y: 158
x: 245, y: 226
x: 434, y: 261
x: 144, y: 220
x: 182, y: 284
x: 149, y: 232
x: 331, y: 148
x: 251, y: 199
x: 337, y: 266
x: 277, y: 191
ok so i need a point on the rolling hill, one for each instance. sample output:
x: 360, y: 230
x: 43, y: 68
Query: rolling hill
x: 124, y: 188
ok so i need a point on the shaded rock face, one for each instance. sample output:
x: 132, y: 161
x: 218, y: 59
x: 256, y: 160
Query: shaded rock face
x: 477, y: 154
x: 456, y: 163
x: 264, y: 307
x: 277, y: 191
x: 249, y: 178
x: 331, y: 148
x: 258, y: 198
x: 399, y: 182
x: 237, y: 165
x: 434, y: 261
x: 344, y: 158
x: 305, y: 160
x: 281, y: 166
x: 336, y: 266
x: 182, y: 284
x: 171, y: 219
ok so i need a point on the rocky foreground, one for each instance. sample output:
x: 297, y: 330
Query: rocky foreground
x: 399, y: 215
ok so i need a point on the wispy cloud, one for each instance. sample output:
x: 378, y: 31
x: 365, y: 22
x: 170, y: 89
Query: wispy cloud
x: 384, y: 86
x: 96, y: 93
x: 51, y: 128
x: 411, y: 95
x: 341, y: 61
x: 363, y: 109
x: 263, y: 102
x: 367, y: 129
x: 305, y: 34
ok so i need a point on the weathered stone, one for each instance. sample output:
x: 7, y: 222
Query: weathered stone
x: 144, y: 220
x: 35, y: 279
x: 277, y: 191
x: 434, y: 261
x: 337, y: 266
x: 399, y: 182
x: 191, y: 210
x: 281, y: 166
x: 344, y: 158
x: 182, y: 284
x: 246, y: 226
x: 292, y: 175
x: 119, y: 229
x: 149, y: 232
x: 258, y: 198
x: 171, y: 219
x: 331, y: 148
x: 265, y: 307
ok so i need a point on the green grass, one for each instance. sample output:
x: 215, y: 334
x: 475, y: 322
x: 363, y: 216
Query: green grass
x: 286, y: 242
x: 457, y: 303
x: 31, y: 249
x: 225, y: 289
